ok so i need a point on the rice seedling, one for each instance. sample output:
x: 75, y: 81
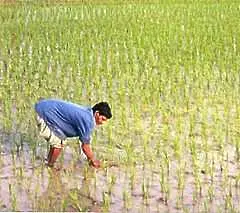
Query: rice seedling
x: 106, y: 201
x: 13, y: 196
x: 132, y: 177
x: 127, y: 200
x: 145, y: 190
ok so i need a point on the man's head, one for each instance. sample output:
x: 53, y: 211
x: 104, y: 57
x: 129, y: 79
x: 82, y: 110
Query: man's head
x: 102, y: 112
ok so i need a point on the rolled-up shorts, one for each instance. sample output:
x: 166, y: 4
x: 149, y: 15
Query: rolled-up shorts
x: 49, y: 135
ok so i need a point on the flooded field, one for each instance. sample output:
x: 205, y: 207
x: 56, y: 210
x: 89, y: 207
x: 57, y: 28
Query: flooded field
x: 170, y: 72
x: 27, y: 184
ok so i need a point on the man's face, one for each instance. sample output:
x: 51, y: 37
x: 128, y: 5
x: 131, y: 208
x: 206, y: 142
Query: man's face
x: 100, y: 119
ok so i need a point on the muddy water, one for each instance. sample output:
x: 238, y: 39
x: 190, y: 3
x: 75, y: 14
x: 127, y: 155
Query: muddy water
x: 26, y: 184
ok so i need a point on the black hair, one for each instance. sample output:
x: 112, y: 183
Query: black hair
x: 103, y: 108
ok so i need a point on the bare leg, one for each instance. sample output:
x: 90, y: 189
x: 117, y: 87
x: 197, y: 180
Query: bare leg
x: 53, y: 155
x: 50, y: 153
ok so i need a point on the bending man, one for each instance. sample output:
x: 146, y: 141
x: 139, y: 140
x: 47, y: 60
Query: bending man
x: 58, y: 120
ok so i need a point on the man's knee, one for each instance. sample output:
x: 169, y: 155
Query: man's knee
x: 56, y: 141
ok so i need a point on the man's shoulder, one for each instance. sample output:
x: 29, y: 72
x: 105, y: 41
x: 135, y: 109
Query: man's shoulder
x: 84, y: 111
x: 84, y: 120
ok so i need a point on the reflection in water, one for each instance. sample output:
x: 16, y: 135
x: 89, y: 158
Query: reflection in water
x: 26, y: 184
x: 51, y: 199
x: 59, y: 197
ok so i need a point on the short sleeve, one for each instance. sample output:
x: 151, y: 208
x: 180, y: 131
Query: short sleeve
x: 85, y: 140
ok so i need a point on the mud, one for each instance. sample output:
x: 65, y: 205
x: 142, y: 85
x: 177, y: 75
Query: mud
x: 27, y: 184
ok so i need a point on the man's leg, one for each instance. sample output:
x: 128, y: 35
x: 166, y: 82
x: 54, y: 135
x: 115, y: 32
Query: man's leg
x: 50, y: 153
x: 53, y: 154
x: 56, y: 144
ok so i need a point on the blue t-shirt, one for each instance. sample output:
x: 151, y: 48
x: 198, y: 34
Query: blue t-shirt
x: 67, y: 119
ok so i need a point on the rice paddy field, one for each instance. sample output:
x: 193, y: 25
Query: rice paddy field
x: 171, y: 73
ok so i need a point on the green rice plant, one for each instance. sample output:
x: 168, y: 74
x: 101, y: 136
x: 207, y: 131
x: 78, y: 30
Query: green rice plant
x: 106, y: 201
x: 166, y: 160
x: 210, y: 193
x: 237, y: 180
x: 13, y: 197
x: 145, y: 190
x: 132, y: 177
x: 185, y: 210
x: 127, y: 200
x: 206, y: 206
x: 196, y: 175
x: 177, y: 148
x: 225, y: 172
x: 229, y: 203
x: 165, y: 188
x: 181, y: 178
x: 237, y: 148
x: 211, y: 186
x: 74, y: 200
x: 111, y: 180
x: 64, y: 205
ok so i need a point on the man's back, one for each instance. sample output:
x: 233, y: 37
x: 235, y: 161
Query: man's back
x: 67, y: 119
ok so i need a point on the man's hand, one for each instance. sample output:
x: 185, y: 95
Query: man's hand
x: 88, y: 152
x: 95, y: 163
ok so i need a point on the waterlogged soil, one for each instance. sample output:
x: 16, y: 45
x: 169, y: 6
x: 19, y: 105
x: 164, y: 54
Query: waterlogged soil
x: 27, y: 184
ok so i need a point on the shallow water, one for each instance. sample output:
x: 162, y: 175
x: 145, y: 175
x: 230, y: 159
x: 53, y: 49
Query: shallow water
x: 26, y: 184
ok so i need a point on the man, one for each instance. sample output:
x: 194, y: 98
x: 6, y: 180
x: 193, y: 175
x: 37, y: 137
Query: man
x: 58, y: 120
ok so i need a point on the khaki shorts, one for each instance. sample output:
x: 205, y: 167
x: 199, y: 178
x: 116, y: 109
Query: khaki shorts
x: 48, y: 135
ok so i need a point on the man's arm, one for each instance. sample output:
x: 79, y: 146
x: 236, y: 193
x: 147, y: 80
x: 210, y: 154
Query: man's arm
x: 88, y: 152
